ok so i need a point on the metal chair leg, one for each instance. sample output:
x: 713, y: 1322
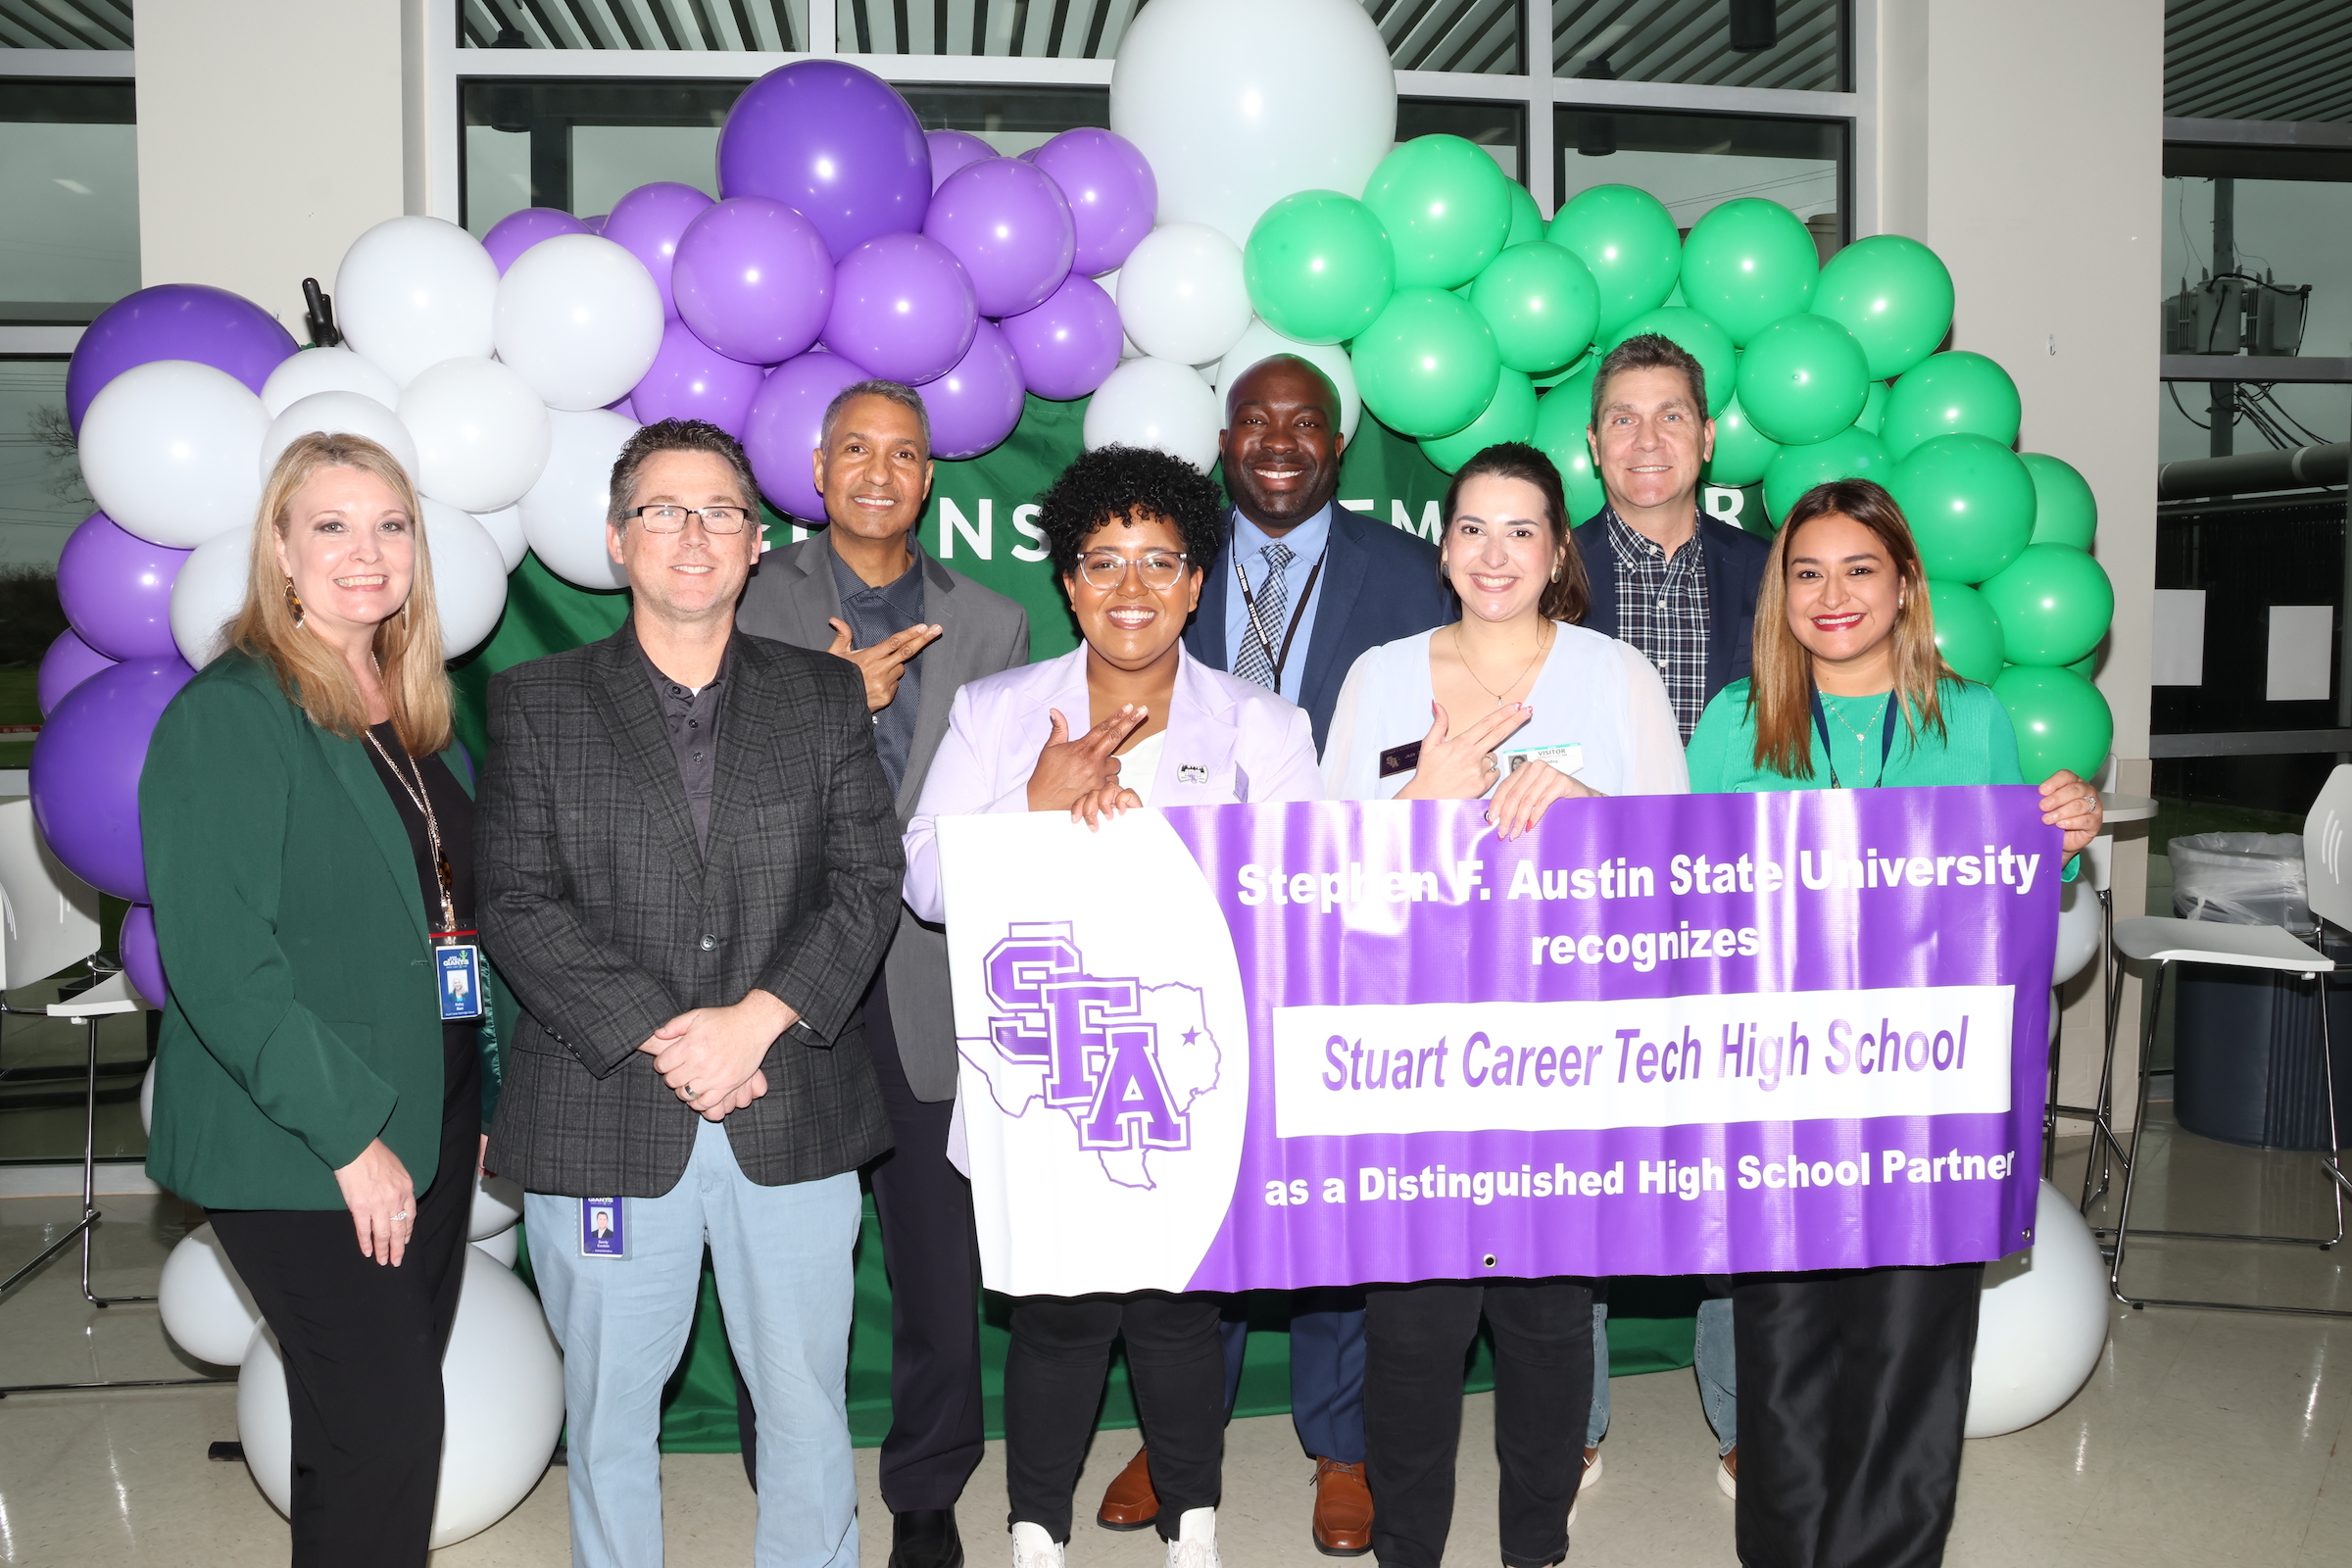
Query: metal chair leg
x: 2139, y: 1126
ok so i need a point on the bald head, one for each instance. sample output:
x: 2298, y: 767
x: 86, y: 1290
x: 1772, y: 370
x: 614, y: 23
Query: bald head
x: 1280, y: 443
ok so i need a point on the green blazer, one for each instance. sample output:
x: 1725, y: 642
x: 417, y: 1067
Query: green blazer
x: 302, y: 1020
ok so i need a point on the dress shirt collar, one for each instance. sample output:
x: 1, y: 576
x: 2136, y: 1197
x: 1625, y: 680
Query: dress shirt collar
x: 903, y: 593
x: 1634, y: 547
x: 1307, y: 541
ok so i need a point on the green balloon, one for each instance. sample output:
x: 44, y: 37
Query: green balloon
x: 1562, y: 416
x: 1448, y: 209
x: 1802, y: 379
x: 2055, y: 601
x: 1427, y: 366
x: 1319, y: 266
x: 1893, y: 294
x: 1711, y: 345
x: 1874, y: 408
x: 1527, y: 219
x: 2065, y: 512
x: 1742, y: 455
x: 1629, y: 240
x: 1968, y: 634
x: 1970, y: 504
x: 1541, y: 302
x: 1850, y: 453
x: 1511, y: 417
x: 2062, y: 721
x: 1951, y: 394
x: 2085, y: 667
x: 1582, y: 365
x: 1747, y: 263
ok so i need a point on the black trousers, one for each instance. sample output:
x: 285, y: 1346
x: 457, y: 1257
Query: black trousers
x: 1417, y: 1340
x: 1853, y: 1393
x: 1054, y: 1378
x: 363, y: 1346
x: 938, y: 1430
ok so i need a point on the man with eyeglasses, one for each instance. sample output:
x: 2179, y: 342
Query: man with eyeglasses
x: 689, y: 871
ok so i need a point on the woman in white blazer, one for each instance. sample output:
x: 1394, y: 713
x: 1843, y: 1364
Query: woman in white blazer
x: 1127, y: 721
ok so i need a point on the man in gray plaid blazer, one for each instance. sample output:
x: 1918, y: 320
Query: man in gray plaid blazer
x: 689, y: 868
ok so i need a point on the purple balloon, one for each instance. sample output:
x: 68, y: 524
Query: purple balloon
x: 1067, y: 345
x: 950, y: 150
x: 86, y: 772
x: 525, y: 228
x: 903, y: 306
x: 833, y: 142
x: 692, y: 380
x: 67, y: 665
x: 1008, y: 223
x: 647, y: 223
x: 787, y: 425
x: 595, y: 224
x: 753, y: 278
x: 976, y: 405
x: 175, y: 321
x: 142, y: 958
x: 1112, y: 193
x: 117, y: 589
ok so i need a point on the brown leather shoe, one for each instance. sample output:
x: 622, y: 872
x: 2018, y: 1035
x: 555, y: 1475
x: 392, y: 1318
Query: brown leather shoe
x: 1342, y: 1509
x: 1129, y: 1503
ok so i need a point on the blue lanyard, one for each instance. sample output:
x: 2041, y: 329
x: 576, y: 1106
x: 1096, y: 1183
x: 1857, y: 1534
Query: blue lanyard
x: 1821, y: 722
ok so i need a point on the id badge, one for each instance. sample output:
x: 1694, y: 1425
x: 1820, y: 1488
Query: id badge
x: 1568, y: 759
x: 458, y: 967
x: 601, y: 1231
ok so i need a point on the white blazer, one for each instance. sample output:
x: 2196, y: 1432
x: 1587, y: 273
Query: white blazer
x: 1229, y: 742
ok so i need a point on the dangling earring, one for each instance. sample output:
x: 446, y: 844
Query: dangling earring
x: 293, y: 602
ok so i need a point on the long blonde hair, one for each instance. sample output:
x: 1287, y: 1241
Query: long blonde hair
x: 310, y: 670
x: 1780, y: 694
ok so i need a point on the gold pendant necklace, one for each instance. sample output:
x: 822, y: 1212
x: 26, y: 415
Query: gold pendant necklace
x: 1463, y: 655
x: 1862, y: 735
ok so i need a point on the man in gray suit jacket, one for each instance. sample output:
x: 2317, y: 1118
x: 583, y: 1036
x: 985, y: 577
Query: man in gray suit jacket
x: 865, y: 590
x: 688, y: 871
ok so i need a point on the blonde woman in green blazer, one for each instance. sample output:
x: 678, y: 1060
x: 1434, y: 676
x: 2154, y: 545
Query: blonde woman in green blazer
x: 308, y: 1091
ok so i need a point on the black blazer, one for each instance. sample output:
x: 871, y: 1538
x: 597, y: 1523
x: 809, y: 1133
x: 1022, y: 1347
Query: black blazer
x: 1734, y: 562
x: 1379, y: 583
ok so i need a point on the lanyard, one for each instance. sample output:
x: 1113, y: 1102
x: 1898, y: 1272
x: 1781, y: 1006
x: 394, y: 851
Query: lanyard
x: 422, y: 801
x: 1297, y: 613
x: 1829, y: 752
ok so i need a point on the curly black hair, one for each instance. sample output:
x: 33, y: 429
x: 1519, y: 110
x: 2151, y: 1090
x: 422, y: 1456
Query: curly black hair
x: 1115, y: 483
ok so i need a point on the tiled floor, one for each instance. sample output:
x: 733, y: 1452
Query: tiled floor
x: 2202, y: 1438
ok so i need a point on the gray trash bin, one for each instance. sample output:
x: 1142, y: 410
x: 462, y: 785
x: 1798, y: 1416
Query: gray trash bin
x: 2246, y: 1042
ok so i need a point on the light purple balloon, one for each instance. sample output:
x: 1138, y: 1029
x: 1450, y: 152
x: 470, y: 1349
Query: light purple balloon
x: 1112, y: 193
x: 85, y: 771
x: 753, y: 278
x: 950, y: 150
x: 1069, y: 344
x: 976, y: 405
x: 1008, y: 223
x: 833, y: 142
x: 903, y: 306
x: 175, y: 321
x: 143, y: 956
x: 117, y: 589
x: 692, y: 380
x: 595, y: 224
x: 647, y: 223
x: 67, y: 665
x: 525, y: 228
x: 787, y: 425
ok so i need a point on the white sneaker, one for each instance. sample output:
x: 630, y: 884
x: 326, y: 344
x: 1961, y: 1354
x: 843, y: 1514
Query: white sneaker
x: 1195, y: 1542
x: 1727, y: 1474
x: 1032, y: 1548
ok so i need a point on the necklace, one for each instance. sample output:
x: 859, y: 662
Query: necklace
x: 1462, y: 654
x: 1862, y: 734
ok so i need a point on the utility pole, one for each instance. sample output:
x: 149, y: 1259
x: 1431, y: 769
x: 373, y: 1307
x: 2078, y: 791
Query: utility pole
x: 2222, y: 404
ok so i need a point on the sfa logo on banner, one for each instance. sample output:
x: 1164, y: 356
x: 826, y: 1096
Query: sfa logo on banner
x: 1237, y: 1047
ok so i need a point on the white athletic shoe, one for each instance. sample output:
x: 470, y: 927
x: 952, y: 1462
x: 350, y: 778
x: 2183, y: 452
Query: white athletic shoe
x: 1727, y: 1474
x: 1195, y: 1542
x: 1032, y: 1548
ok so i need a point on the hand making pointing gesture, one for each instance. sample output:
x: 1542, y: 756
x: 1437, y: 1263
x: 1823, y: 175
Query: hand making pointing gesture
x: 1068, y: 769
x: 884, y: 661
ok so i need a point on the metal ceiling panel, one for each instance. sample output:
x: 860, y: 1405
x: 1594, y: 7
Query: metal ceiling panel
x: 2258, y: 60
x: 64, y: 24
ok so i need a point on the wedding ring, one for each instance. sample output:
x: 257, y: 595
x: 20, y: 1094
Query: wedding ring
x: 400, y: 1218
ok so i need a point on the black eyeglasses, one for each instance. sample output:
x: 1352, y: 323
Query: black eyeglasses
x: 671, y: 519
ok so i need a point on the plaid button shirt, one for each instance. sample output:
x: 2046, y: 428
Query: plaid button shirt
x: 1662, y: 610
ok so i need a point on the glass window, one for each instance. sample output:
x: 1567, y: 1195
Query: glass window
x: 69, y: 186
x: 1800, y: 44
x: 41, y: 495
x: 83, y: 24
x: 579, y: 146
x: 1011, y: 119
x: 776, y: 26
x: 1461, y: 35
x: 1695, y: 163
x: 1501, y: 129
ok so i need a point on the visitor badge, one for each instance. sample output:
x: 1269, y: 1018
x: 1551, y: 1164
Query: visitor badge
x: 1568, y: 759
x: 601, y: 1228
x: 458, y: 967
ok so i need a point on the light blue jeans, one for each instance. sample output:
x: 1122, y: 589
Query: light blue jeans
x: 1718, y: 1370
x: 782, y: 1257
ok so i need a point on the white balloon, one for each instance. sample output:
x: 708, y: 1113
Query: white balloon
x: 502, y: 1384
x: 470, y: 578
x: 1262, y: 342
x: 414, y: 291
x: 1310, y: 103
x: 505, y: 529
x: 1181, y: 294
x: 208, y: 592
x: 503, y: 1249
x: 579, y: 318
x: 2041, y: 1323
x: 2082, y: 931
x: 339, y: 414
x: 169, y: 451
x: 563, y: 515
x: 205, y: 1306
x: 337, y: 369
x: 1110, y: 284
x: 497, y: 1207
x: 481, y: 433
x: 1157, y: 403
x: 147, y: 1101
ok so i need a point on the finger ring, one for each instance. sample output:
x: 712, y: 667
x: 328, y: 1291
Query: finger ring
x: 687, y: 1092
x: 402, y: 1215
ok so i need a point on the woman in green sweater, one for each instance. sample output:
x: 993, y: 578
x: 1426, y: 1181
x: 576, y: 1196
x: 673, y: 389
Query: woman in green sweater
x: 1854, y: 1383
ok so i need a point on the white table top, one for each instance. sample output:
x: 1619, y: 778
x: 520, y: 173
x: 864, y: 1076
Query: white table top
x: 2127, y: 807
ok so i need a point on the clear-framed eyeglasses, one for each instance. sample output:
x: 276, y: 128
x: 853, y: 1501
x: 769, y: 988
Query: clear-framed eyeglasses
x: 1105, y: 570
x: 671, y: 519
